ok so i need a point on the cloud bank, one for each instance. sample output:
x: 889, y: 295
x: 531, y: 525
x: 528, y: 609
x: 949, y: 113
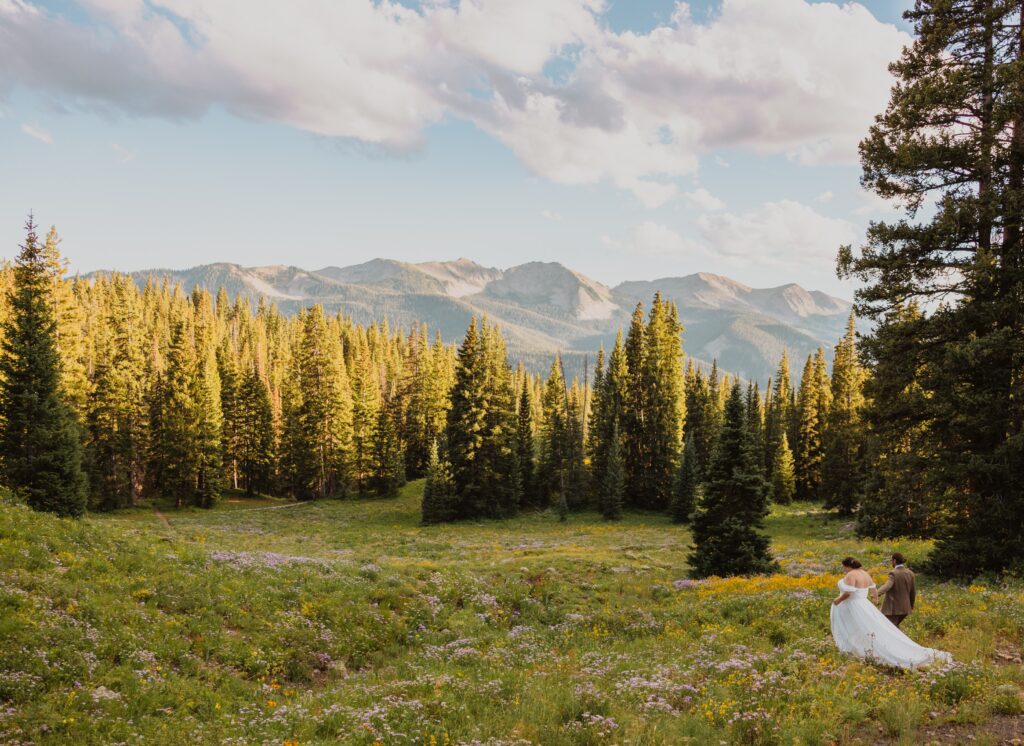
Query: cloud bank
x: 576, y: 101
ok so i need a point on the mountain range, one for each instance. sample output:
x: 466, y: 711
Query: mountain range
x: 545, y: 307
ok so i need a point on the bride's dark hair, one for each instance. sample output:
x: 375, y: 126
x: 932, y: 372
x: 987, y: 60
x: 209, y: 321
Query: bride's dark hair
x: 851, y: 563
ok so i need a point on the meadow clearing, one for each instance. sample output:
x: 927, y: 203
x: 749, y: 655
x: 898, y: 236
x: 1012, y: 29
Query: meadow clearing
x: 266, y: 622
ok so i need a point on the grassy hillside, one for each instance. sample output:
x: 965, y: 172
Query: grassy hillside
x: 277, y: 623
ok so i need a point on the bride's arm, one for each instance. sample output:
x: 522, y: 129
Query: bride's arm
x: 840, y: 598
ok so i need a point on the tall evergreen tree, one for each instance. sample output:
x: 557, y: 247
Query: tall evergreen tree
x: 699, y: 409
x: 755, y: 421
x: 255, y: 432
x: 950, y: 146
x: 779, y: 414
x: 809, y: 449
x: 684, y: 494
x: 842, y: 469
x: 633, y: 418
x: 727, y: 527
x: 525, y: 445
x: 613, y: 479
x: 481, y: 430
x: 605, y: 424
x: 324, y: 413
x: 389, y: 456
x: 175, y: 446
x: 438, y: 490
x: 783, y: 484
x: 39, y: 439
x: 365, y: 414
x: 117, y: 422
x: 554, y: 435
x: 899, y: 497
x: 662, y: 379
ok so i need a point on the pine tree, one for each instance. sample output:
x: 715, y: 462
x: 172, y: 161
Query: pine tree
x: 609, y: 396
x: 809, y: 449
x: 950, y: 146
x: 209, y: 417
x: 174, y: 455
x: 389, y: 456
x: 554, y: 435
x: 698, y: 409
x: 39, y: 439
x: 613, y: 483
x: 899, y: 495
x: 481, y: 429
x: 684, y: 495
x: 70, y: 337
x: 727, y: 527
x: 325, y: 412
x: 230, y: 394
x: 662, y: 378
x: 779, y: 415
x: 632, y: 420
x: 117, y: 422
x: 842, y: 469
x: 783, y: 473
x: 755, y: 422
x: 255, y: 433
x: 365, y: 415
x: 525, y: 444
x: 438, y: 490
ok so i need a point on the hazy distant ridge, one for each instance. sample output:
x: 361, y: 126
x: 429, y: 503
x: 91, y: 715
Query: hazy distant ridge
x: 544, y: 306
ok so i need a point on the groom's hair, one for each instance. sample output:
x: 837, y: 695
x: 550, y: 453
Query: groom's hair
x: 898, y: 559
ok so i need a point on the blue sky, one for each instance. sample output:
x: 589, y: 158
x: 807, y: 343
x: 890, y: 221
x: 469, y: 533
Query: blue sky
x: 628, y: 140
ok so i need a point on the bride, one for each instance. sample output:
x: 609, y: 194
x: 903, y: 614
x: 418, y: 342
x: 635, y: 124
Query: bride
x: 860, y: 629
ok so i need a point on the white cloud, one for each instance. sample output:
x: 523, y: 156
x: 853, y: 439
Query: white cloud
x: 702, y: 199
x: 519, y: 36
x: 654, y: 239
x: 825, y: 197
x: 784, y: 233
x: 552, y: 216
x: 37, y: 134
x: 632, y: 109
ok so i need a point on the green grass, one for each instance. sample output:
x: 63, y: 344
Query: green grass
x: 263, y: 621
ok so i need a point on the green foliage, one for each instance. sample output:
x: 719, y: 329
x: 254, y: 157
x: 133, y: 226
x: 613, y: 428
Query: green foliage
x: 783, y: 484
x: 654, y: 406
x: 39, y: 438
x: 438, y: 503
x: 842, y: 468
x: 271, y: 621
x: 727, y: 527
x: 613, y: 484
x: 255, y: 420
x: 780, y: 412
x: 525, y: 445
x: 811, y: 411
x: 684, y: 493
x: 480, y: 436
x: 950, y: 147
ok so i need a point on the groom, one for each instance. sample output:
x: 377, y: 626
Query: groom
x: 899, y: 591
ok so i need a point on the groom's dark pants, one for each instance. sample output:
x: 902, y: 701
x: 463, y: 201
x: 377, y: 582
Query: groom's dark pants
x: 896, y: 619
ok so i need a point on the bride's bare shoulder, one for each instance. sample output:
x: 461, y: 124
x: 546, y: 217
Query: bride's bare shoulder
x: 858, y: 579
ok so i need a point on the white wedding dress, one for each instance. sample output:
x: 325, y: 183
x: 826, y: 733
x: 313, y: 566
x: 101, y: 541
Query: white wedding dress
x: 860, y: 629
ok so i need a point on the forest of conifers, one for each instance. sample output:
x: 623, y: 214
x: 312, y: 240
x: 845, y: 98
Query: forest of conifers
x: 180, y: 395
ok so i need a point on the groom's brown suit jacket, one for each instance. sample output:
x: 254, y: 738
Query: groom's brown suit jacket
x: 899, y: 591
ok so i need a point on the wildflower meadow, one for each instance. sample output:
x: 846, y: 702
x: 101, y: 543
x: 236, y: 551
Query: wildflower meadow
x: 271, y: 622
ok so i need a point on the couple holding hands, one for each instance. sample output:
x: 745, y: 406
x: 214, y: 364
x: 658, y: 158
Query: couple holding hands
x: 860, y: 629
